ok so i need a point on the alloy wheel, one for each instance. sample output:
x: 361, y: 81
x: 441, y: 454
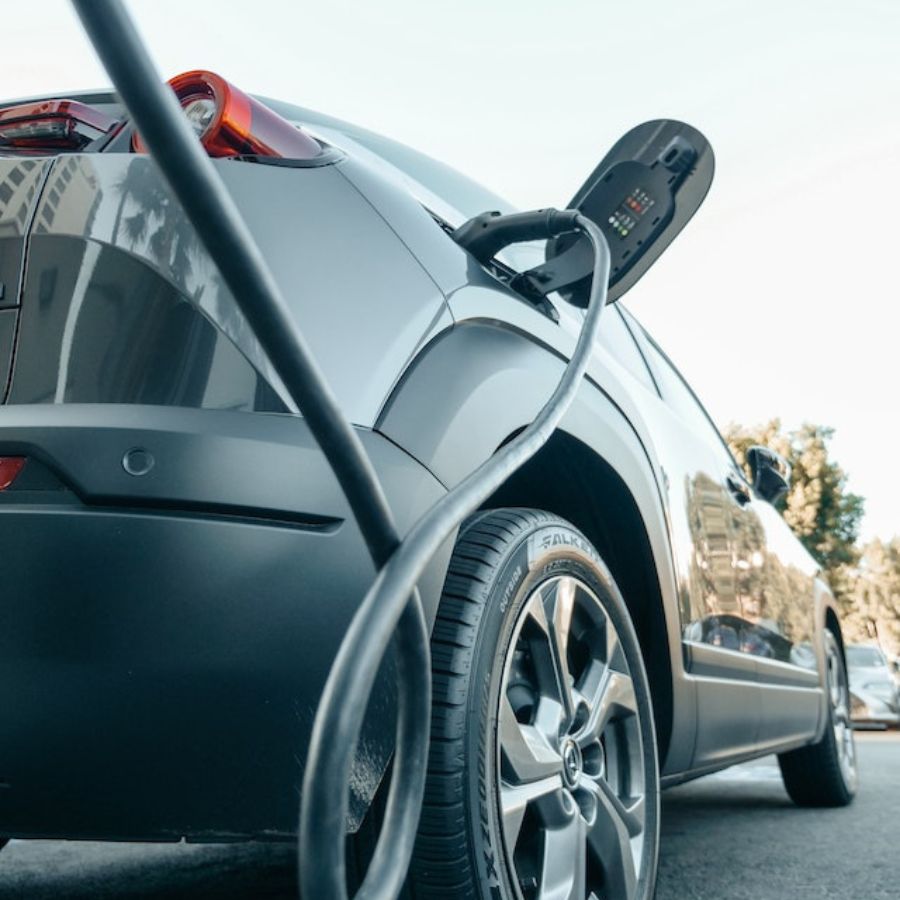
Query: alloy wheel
x: 572, y: 797
x: 839, y: 697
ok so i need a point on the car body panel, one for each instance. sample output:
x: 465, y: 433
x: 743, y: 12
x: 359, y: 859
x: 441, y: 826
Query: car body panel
x: 21, y: 181
x: 446, y: 263
x: 784, y: 628
x: 20, y: 185
x: 309, y: 222
x: 100, y: 326
x: 492, y: 376
x: 8, y: 321
x: 166, y: 636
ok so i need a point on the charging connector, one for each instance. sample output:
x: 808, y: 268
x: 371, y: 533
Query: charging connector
x: 338, y: 722
x: 487, y: 234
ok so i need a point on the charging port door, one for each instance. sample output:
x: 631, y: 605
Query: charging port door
x: 641, y: 195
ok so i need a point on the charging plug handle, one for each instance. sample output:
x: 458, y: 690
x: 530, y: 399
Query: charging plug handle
x: 487, y: 234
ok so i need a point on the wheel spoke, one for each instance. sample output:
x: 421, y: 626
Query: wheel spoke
x: 607, y: 694
x: 559, y: 604
x: 614, y: 654
x: 564, y: 869
x: 631, y: 811
x: 525, y: 754
x: 514, y: 800
x: 573, y: 823
x: 549, y: 714
x: 609, y: 839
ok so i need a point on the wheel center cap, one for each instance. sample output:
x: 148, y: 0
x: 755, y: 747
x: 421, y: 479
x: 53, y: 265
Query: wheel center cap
x: 571, y: 757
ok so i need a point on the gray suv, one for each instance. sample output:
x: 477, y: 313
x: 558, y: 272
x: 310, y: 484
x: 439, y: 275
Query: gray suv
x: 627, y: 612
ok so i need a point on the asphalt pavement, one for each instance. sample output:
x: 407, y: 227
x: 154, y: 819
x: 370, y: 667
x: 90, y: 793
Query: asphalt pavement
x: 730, y: 836
x: 736, y: 835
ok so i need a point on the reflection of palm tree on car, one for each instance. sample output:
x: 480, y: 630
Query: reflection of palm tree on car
x: 158, y: 222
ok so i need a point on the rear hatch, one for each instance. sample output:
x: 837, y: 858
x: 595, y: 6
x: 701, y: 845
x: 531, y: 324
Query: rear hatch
x: 175, y: 543
x: 109, y: 296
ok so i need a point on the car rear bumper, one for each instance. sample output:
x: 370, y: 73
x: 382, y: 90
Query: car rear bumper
x: 165, y: 637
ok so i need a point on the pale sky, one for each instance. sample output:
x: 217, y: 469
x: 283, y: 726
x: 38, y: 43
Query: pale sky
x: 779, y: 299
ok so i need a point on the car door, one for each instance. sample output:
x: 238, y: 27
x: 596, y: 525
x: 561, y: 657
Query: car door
x: 779, y: 608
x: 719, y: 545
x: 755, y: 650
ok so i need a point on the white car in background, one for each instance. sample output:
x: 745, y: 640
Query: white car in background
x: 875, y: 696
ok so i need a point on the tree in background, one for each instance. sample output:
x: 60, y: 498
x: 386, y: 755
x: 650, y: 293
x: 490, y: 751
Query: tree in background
x: 818, y: 507
x: 875, y: 611
x: 826, y: 517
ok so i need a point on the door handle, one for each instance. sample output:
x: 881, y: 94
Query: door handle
x: 738, y: 489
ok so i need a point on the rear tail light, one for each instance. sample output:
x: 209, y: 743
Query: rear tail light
x: 231, y: 123
x: 10, y: 466
x: 52, y: 124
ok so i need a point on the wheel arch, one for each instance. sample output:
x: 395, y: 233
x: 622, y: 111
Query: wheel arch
x: 597, y: 501
x: 827, y: 618
x: 833, y: 624
x: 476, y: 386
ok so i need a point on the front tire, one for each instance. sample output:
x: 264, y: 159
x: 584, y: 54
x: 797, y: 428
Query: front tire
x: 824, y: 773
x: 543, y: 777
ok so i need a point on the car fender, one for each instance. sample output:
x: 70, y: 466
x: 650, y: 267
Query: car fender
x: 478, y: 383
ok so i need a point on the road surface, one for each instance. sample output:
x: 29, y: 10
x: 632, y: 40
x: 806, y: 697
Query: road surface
x: 730, y: 836
x: 736, y: 835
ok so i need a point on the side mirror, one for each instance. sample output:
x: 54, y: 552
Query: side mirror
x: 642, y: 194
x: 770, y: 473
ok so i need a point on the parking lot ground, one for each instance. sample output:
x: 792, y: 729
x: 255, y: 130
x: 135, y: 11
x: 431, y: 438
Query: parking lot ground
x: 730, y: 836
x: 736, y: 835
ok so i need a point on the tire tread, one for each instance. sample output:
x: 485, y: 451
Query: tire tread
x: 812, y: 775
x: 442, y: 867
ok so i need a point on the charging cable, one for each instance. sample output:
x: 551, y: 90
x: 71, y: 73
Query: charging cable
x: 339, y: 719
x: 391, y: 609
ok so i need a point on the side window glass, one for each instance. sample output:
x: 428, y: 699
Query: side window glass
x: 617, y: 339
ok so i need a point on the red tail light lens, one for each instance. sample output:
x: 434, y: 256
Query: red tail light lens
x: 52, y: 124
x: 231, y: 123
x: 10, y: 466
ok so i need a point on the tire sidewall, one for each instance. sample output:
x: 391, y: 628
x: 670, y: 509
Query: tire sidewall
x: 832, y: 645
x: 545, y: 550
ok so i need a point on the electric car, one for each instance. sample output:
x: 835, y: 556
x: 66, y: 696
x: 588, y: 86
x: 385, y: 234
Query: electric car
x: 627, y: 612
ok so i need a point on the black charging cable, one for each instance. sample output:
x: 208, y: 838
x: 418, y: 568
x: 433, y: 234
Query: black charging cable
x: 218, y: 222
x: 338, y: 722
x: 391, y: 609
